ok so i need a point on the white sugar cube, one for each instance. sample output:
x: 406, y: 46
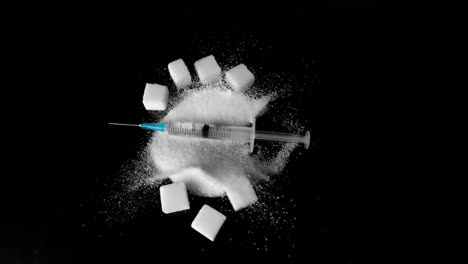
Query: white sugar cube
x: 208, y: 222
x: 208, y: 70
x: 155, y: 97
x: 180, y: 74
x: 240, y: 78
x: 240, y: 193
x: 174, y: 198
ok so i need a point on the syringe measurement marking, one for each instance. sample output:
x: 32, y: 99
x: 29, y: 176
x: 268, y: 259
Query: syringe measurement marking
x: 213, y: 132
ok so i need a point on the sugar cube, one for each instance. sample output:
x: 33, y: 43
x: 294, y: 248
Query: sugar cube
x: 155, y: 97
x: 240, y: 193
x: 174, y: 198
x: 208, y: 222
x: 240, y: 78
x: 208, y: 70
x: 180, y: 74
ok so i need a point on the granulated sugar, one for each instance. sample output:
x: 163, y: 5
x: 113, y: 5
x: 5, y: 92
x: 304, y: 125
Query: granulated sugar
x: 130, y: 195
x: 217, y: 104
x: 206, y: 165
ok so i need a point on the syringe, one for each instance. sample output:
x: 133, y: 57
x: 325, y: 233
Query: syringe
x: 235, y: 133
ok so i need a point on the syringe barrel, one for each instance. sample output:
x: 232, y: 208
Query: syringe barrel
x: 235, y: 133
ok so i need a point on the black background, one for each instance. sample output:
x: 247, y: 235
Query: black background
x: 76, y: 71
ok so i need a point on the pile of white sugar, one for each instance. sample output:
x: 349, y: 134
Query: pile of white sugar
x: 209, y: 166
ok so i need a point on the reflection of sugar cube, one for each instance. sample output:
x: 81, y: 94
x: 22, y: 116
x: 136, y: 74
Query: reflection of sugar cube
x: 208, y: 70
x: 179, y: 73
x: 174, y: 198
x: 240, y: 78
x: 155, y: 97
x: 208, y: 222
x: 240, y: 193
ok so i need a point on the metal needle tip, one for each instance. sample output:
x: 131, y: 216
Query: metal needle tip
x: 120, y: 124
